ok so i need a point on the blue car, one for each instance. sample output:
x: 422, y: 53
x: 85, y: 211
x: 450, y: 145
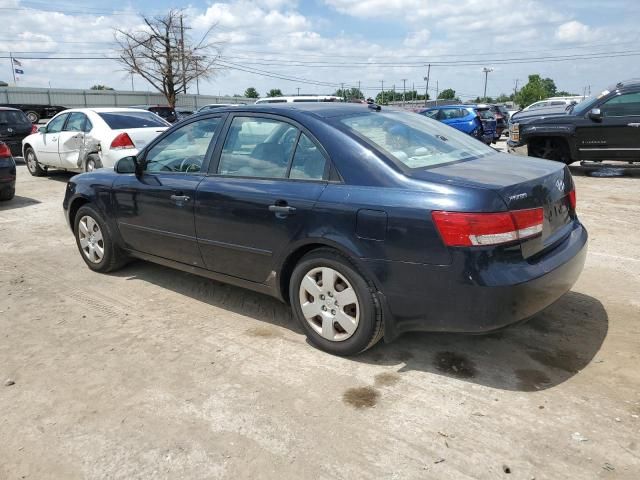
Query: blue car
x: 369, y: 222
x: 477, y: 121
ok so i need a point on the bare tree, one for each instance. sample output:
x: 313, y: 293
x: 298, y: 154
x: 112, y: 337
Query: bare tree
x: 164, y: 56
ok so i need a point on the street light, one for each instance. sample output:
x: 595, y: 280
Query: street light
x: 486, y: 71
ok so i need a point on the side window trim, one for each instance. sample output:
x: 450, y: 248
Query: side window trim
x: 205, y: 162
x: 292, y: 155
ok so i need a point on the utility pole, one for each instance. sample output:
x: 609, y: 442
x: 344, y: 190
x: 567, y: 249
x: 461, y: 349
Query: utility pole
x: 404, y: 91
x: 197, y: 77
x: 413, y: 91
x: 382, y: 81
x: 426, y: 89
x: 394, y: 92
x: 184, y: 73
x: 359, y: 91
x: 344, y: 95
x: 486, y: 71
x: 515, y: 88
x: 298, y: 91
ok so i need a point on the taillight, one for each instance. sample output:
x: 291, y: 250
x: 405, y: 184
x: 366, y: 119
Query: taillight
x: 459, y: 229
x: 122, y: 141
x: 34, y: 128
x: 4, y: 150
x: 572, y: 199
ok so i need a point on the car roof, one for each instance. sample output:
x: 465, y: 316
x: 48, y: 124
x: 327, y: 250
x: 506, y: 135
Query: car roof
x: 10, y: 109
x: 320, y: 109
x: 101, y: 109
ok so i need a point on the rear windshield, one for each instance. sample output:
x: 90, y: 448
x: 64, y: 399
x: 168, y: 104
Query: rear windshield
x: 13, y: 117
x: 141, y: 119
x: 414, y: 140
x: 485, y: 114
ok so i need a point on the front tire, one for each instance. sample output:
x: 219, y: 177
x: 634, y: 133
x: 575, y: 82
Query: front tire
x: 32, y: 163
x: 335, y: 304
x: 96, y: 242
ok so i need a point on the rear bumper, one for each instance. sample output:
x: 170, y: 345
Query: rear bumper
x: 476, y: 293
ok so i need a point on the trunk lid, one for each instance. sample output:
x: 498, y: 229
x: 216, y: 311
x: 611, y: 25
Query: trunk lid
x: 140, y: 136
x: 522, y: 183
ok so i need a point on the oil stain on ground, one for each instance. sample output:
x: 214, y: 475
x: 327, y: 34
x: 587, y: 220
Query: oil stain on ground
x: 264, y: 332
x: 361, y: 397
x: 386, y: 379
x: 530, y: 380
x: 455, y: 364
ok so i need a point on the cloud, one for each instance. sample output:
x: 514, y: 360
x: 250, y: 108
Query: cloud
x: 417, y: 39
x: 574, y: 31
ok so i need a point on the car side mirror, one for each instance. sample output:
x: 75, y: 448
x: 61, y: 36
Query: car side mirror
x: 595, y: 114
x: 127, y: 165
x: 42, y: 129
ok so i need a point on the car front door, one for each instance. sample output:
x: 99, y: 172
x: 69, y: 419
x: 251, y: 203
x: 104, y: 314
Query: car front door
x: 616, y: 135
x: 47, y: 152
x: 71, y: 139
x: 155, y: 210
x: 259, y: 195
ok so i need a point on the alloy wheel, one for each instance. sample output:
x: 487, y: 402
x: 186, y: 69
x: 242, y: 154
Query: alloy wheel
x: 90, y: 238
x: 31, y: 161
x: 329, y: 304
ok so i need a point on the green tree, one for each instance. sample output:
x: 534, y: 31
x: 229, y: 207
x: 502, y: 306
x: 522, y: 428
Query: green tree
x: 274, y: 92
x: 503, y: 97
x: 251, y: 93
x: 550, y: 87
x: 447, y: 94
x: 101, y: 87
x: 533, y: 91
x: 349, y: 93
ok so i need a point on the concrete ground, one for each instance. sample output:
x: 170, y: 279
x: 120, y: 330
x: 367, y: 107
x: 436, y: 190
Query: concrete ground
x: 153, y: 373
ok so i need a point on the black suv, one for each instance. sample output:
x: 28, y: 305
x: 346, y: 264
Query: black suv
x: 605, y: 126
x: 14, y: 126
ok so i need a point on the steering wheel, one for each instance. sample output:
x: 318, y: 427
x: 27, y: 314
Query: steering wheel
x: 191, y: 164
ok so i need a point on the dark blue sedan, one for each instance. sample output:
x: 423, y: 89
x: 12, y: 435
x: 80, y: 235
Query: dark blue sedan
x: 369, y: 222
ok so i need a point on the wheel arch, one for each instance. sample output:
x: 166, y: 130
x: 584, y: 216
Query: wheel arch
x: 300, y: 249
x: 24, y: 149
x: 74, y: 206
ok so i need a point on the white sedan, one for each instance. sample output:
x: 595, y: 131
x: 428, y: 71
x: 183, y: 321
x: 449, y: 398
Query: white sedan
x: 83, y: 139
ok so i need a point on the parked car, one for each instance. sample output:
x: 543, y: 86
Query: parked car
x: 7, y: 173
x: 165, y: 111
x: 83, y: 139
x: 213, y: 106
x: 369, y: 222
x: 36, y: 112
x: 603, y: 127
x: 14, y: 126
x: 183, y: 113
x: 477, y: 121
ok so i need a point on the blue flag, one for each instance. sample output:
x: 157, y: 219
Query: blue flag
x: 20, y: 71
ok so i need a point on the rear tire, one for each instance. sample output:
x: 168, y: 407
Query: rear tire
x: 92, y: 162
x: 342, y: 317
x: 96, y: 242
x: 7, y: 194
x: 32, y: 163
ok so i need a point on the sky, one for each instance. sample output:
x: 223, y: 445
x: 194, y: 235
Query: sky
x: 318, y: 45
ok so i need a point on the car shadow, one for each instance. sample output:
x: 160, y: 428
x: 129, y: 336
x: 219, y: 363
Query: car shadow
x: 17, y: 202
x: 60, y: 175
x: 605, y: 170
x: 539, y: 354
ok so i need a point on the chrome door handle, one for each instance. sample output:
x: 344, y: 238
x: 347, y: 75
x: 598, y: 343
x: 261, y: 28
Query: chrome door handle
x: 637, y: 125
x: 180, y: 198
x: 282, y: 209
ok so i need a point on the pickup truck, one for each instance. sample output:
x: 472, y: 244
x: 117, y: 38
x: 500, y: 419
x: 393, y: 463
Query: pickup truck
x: 604, y: 127
x: 36, y: 112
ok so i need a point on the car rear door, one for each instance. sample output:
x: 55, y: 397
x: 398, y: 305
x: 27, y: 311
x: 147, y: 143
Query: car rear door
x: 259, y: 196
x: 155, y: 210
x: 47, y: 152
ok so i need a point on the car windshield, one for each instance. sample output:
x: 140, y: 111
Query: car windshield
x: 414, y: 140
x: 13, y: 117
x: 586, y: 104
x: 141, y: 119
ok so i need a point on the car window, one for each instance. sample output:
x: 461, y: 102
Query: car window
x: 414, y: 140
x: 558, y: 103
x: 184, y: 149
x: 624, y: 105
x: 257, y: 147
x: 141, y: 119
x: 452, y: 113
x: 485, y: 114
x: 13, y: 117
x: 55, y: 125
x: 430, y: 113
x: 76, y: 122
x: 308, y: 161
